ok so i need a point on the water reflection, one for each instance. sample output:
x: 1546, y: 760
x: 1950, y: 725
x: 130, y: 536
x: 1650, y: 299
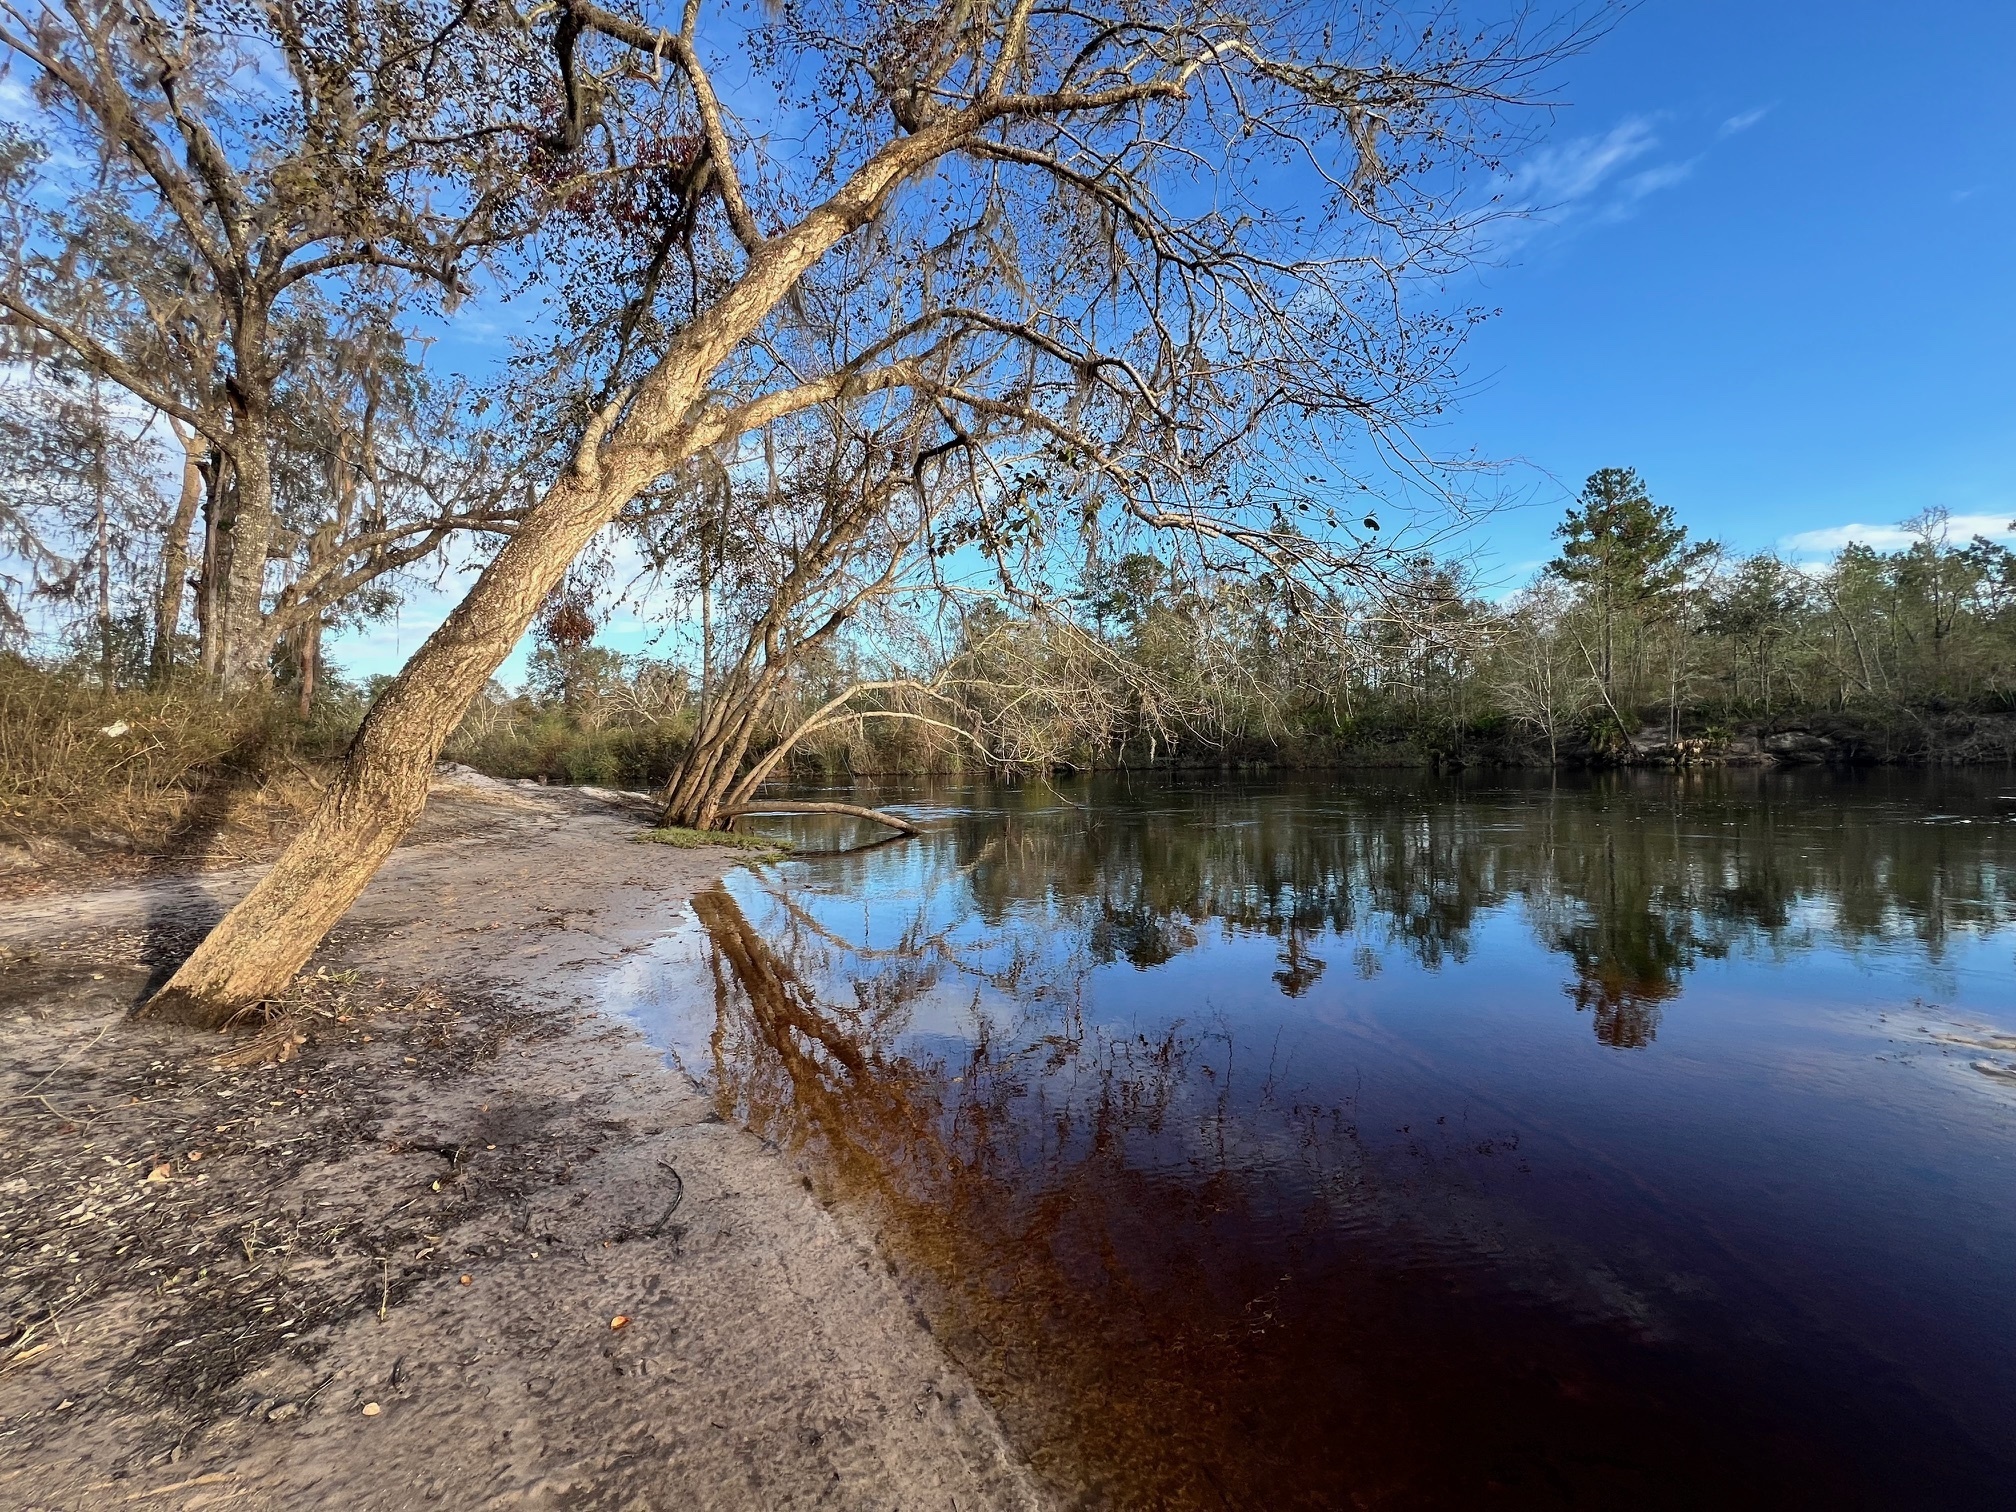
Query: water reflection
x: 1229, y: 1138
x: 1635, y: 881
x: 1026, y: 1277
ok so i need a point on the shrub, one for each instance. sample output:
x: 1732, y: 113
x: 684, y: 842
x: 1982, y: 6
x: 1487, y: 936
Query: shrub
x: 153, y: 769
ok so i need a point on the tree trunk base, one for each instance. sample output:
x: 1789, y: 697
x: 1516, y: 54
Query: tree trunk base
x: 178, y: 1005
x: 252, y: 955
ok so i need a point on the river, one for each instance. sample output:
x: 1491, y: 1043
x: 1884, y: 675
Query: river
x: 1633, y: 1141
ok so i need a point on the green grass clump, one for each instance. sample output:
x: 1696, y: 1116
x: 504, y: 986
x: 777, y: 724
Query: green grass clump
x: 692, y: 839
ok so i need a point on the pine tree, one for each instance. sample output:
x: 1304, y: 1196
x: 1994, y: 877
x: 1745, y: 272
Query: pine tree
x: 1629, y: 555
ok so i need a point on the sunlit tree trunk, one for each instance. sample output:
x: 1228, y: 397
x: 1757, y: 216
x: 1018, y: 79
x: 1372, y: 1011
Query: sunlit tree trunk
x: 699, y: 786
x: 244, y: 650
x: 255, y: 951
x: 175, y: 559
x: 257, y: 948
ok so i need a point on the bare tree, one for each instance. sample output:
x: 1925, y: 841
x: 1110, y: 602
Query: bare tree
x: 1188, y: 240
x: 794, y: 544
x: 234, y: 161
x: 1541, y: 682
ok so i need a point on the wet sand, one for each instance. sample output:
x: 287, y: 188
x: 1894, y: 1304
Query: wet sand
x: 385, y: 1272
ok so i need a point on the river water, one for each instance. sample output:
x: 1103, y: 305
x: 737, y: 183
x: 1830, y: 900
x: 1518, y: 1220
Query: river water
x: 1633, y: 1141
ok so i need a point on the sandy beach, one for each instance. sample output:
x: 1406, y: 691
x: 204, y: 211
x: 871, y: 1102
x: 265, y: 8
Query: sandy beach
x: 448, y: 1235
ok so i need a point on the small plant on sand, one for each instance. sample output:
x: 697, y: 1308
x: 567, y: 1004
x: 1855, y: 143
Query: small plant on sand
x: 693, y: 839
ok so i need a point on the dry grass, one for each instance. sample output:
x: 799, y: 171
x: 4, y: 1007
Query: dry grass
x: 168, y: 772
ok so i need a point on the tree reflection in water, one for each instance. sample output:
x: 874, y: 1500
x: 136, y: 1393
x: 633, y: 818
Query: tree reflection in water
x: 1188, y: 1281
x: 1178, y: 1296
x: 1004, y: 1183
x: 1635, y: 879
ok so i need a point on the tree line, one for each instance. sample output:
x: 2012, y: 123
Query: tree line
x: 1636, y: 643
x: 1689, y: 637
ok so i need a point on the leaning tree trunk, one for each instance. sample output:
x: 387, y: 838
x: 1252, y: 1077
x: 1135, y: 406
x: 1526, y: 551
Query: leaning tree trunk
x: 254, y: 952
x: 252, y: 955
x: 720, y: 776
x: 693, y: 798
x: 709, y: 790
x: 682, y: 805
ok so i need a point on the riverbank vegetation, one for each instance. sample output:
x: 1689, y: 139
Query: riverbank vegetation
x: 156, y: 772
x: 1636, y: 645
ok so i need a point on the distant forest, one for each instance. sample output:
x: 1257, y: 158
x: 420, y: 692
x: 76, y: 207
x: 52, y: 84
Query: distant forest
x: 1637, y: 643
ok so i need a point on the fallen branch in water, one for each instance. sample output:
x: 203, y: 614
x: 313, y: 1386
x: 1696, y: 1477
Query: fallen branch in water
x: 851, y: 810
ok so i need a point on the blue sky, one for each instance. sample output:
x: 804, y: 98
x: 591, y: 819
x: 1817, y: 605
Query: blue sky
x: 1778, y: 276
x: 1782, y: 278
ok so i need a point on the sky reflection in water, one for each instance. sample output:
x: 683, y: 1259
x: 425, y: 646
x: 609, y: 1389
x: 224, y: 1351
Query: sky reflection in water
x: 1414, y: 1142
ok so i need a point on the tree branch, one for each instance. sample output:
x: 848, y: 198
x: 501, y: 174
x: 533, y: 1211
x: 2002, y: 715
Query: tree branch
x: 851, y: 810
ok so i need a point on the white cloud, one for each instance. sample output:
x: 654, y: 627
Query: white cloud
x: 1652, y: 180
x: 1561, y: 175
x: 1743, y: 120
x: 1959, y: 528
x: 1601, y: 179
x: 1638, y: 186
x: 1589, y: 179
